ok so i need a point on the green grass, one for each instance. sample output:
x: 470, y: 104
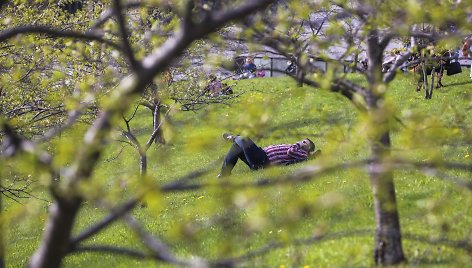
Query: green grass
x: 219, y: 222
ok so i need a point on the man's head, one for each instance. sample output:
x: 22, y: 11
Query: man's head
x: 307, y: 145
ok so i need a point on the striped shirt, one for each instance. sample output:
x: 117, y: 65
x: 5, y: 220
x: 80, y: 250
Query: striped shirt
x: 285, y: 154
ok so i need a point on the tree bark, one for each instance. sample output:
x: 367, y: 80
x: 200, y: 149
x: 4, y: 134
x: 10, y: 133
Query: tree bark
x: 156, y: 116
x: 430, y: 94
x: 54, y: 245
x: 300, y: 76
x: 143, y: 163
x: 388, y: 241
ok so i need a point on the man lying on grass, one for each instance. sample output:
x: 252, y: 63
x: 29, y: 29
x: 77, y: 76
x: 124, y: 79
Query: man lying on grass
x: 255, y: 157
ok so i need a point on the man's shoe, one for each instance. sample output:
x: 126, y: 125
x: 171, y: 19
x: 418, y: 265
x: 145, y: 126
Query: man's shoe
x: 229, y: 137
x: 221, y: 175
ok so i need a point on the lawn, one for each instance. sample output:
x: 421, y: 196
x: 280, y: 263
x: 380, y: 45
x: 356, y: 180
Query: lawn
x: 217, y: 221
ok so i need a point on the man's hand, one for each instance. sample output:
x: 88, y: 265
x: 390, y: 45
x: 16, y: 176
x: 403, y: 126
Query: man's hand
x: 314, y: 154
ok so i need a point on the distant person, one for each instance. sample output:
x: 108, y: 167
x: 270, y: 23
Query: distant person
x: 260, y: 73
x: 215, y: 88
x: 467, y: 50
x: 249, y: 69
x: 291, y: 67
x: 439, y: 64
x: 255, y: 157
x: 365, y: 64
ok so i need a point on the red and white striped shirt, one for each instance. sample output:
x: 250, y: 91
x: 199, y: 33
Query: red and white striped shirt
x: 285, y: 154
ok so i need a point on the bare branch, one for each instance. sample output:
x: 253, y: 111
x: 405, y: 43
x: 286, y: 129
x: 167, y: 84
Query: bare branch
x: 117, y: 154
x: 159, y: 249
x: 19, y: 193
x: 110, y: 249
x: 311, y: 172
x: 115, y: 214
x: 231, y: 262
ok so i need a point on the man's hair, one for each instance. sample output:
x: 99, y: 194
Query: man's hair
x: 312, y: 145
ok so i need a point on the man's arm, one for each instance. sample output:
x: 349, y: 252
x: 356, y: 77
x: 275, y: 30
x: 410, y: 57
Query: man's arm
x: 297, y: 152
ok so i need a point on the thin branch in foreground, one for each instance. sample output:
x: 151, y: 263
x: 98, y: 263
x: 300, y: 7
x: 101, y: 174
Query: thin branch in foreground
x: 464, y: 244
x: 115, y: 214
x: 446, y: 177
x: 231, y: 262
x: 118, y: 212
x: 110, y: 249
x: 160, y: 250
x: 304, y: 174
x: 228, y: 262
x: 309, y: 173
x: 56, y: 33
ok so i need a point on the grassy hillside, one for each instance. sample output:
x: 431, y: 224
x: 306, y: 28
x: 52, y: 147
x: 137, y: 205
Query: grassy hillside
x: 220, y: 221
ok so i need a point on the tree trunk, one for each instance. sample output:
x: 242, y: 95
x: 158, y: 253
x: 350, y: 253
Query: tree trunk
x: 54, y: 245
x: 354, y: 65
x: 143, y: 163
x: 156, y: 116
x: 300, y: 76
x: 425, y: 81
x: 388, y: 241
x: 430, y: 95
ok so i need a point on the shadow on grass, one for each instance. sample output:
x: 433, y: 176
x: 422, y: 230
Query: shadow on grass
x: 417, y: 196
x: 425, y: 260
x: 459, y: 84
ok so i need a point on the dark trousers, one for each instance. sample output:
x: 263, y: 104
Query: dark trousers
x: 246, y: 150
